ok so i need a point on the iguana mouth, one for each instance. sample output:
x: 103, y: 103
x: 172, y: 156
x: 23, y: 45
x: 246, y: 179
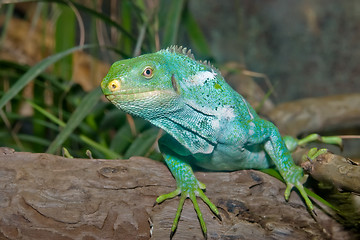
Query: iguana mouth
x: 133, y: 94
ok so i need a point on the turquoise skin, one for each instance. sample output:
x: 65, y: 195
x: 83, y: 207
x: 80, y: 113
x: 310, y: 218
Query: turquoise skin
x: 207, y: 123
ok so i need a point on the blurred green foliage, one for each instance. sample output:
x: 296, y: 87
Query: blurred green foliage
x: 62, y: 113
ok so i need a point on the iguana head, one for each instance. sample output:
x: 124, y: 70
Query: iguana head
x: 142, y: 86
x: 158, y: 84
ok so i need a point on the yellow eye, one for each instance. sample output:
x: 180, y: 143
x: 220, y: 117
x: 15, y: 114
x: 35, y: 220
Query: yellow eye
x: 148, y: 72
x: 114, y: 85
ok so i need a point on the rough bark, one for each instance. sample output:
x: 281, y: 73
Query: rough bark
x: 336, y: 170
x: 44, y: 196
x: 317, y: 114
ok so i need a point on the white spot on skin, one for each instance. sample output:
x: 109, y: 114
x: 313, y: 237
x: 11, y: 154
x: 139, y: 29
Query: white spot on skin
x: 200, y: 78
x: 251, y: 132
x: 215, y: 124
x: 252, y: 126
x: 226, y: 113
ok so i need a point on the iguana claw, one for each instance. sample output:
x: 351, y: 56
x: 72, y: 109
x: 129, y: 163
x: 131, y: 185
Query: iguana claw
x: 302, y: 192
x: 314, y: 153
x: 192, y: 194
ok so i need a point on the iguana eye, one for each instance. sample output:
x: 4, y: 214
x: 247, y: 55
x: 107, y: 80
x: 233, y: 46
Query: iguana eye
x: 114, y: 85
x: 148, y: 72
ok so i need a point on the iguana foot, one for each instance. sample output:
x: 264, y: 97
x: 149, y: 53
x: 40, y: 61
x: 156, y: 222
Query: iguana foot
x: 295, y: 178
x: 314, y: 153
x: 303, y: 193
x: 192, y: 193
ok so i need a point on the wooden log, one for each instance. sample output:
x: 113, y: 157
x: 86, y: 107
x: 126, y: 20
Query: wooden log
x: 310, y: 115
x: 44, y: 196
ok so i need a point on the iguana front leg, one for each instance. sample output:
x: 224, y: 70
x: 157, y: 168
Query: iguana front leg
x: 292, y: 174
x: 188, y: 187
x: 281, y: 156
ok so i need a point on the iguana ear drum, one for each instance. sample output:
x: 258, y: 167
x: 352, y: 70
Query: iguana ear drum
x: 174, y: 84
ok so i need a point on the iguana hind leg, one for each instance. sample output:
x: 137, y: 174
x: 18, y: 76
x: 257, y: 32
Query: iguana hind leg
x: 292, y: 143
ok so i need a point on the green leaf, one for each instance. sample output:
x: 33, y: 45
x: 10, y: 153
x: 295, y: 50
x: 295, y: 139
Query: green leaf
x: 126, y: 20
x: 172, y: 22
x: 196, y: 36
x: 65, y: 39
x: 142, y: 143
x: 107, y: 20
x: 34, y: 72
x: 93, y: 13
x: 34, y: 139
x: 83, y: 109
x: 114, y: 118
x: 108, y: 153
x: 123, y: 137
x: 47, y: 114
x: 5, y: 24
x: 273, y: 172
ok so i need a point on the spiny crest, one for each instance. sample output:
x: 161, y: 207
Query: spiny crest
x: 207, y: 63
x: 180, y: 50
x: 187, y: 52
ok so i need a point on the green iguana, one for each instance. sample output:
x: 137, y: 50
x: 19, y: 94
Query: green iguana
x: 207, y: 123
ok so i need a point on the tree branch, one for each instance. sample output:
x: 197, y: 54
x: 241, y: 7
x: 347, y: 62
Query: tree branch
x: 330, y: 168
x: 317, y: 114
x: 50, y: 197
